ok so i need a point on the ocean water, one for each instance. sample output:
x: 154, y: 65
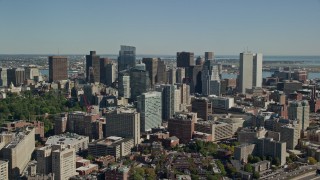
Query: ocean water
x: 311, y: 75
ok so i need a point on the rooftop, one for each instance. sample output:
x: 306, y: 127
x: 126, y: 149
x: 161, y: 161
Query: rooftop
x: 68, y: 138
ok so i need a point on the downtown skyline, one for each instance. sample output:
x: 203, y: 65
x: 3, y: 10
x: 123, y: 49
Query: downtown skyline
x: 160, y: 28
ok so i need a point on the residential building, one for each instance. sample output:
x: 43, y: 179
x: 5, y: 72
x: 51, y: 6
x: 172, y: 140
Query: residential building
x: 299, y: 111
x: 168, y: 97
x: 117, y: 173
x: 182, y: 126
x: 4, y: 168
x: 290, y: 134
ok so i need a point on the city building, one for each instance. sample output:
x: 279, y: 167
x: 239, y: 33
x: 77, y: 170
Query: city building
x: 86, y: 124
x: 152, y: 68
x: 185, y: 96
x: 172, y: 75
x: 161, y: 77
x: 150, y: 108
x: 202, y: 107
x: 182, y: 126
x: 180, y: 74
x: 16, y: 76
x: 110, y: 73
x: 185, y: 59
x: 92, y: 67
x: 242, y: 152
x: 224, y: 103
x: 199, y: 60
x: 193, y: 78
x: 139, y: 82
x: 270, y: 147
x: 32, y: 72
x: 299, y: 111
x: 217, y: 130
x: 124, y: 89
x: 3, y: 77
x: 123, y: 122
x: 250, y: 71
x: 112, y: 145
x: 290, y: 134
x: 127, y: 58
x: 44, y: 159
x: 117, y: 173
x: 58, y: 68
x: 4, y: 168
x: 210, y: 78
x: 18, y: 151
x: 60, y: 124
x: 16, y: 125
x: 79, y: 143
x: 64, y: 163
x: 168, y: 104
x: 208, y: 56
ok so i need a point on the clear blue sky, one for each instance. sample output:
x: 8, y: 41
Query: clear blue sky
x: 272, y: 27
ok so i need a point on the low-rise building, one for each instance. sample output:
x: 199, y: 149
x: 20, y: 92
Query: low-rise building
x: 117, y: 173
x: 79, y: 143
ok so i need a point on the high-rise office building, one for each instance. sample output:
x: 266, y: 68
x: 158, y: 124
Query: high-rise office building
x: 3, y: 77
x: 161, y: 77
x: 150, y: 108
x: 152, y: 68
x: 18, y: 151
x: 199, y: 60
x: 172, y: 75
x: 210, y: 78
x: 299, y: 111
x: 64, y: 163
x: 16, y: 76
x: 185, y: 59
x: 93, y: 67
x: 139, y: 82
x: 208, y: 56
x: 193, y: 77
x: 103, y: 69
x: 250, y: 71
x: 168, y: 96
x: 180, y: 75
x: 177, y: 100
x: 32, y: 72
x: 58, y: 68
x: 124, y: 85
x: 111, y: 73
x: 125, y: 123
x: 127, y: 58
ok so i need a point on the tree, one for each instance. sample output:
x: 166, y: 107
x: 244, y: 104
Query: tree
x: 312, y: 161
x: 276, y: 161
x: 248, y: 168
x: 256, y: 175
x: 221, y: 167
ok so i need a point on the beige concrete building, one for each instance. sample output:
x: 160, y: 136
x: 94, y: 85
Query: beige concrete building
x: 124, y: 122
x: 19, y: 151
x: 79, y: 143
x: 64, y: 163
x: 4, y: 167
x: 299, y: 110
x: 218, y: 130
x: 44, y: 160
x: 290, y: 134
x: 114, y: 146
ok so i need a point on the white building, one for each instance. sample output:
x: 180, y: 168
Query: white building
x: 250, y: 71
x: 150, y: 108
x: 64, y: 163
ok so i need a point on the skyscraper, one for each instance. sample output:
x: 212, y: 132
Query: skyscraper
x: 150, y: 108
x: 127, y: 58
x: 250, y: 71
x: 208, y: 56
x: 103, y: 69
x: 152, y: 68
x: 180, y: 75
x: 193, y: 77
x: 210, y: 78
x: 16, y: 76
x: 58, y: 68
x: 185, y: 59
x: 168, y: 96
x: 161, y: 72
x: 124, y: 85
x: 111, y: 73
x: 93, y: 67
x: 3, y: 77
x: 139, y: 82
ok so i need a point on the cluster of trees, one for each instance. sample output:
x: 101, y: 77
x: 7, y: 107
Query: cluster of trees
x: 32, y: 106
x: 205, y: 148
x: 141, y: 173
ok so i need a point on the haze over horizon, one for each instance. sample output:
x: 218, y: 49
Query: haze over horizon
x: 289, y: 27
